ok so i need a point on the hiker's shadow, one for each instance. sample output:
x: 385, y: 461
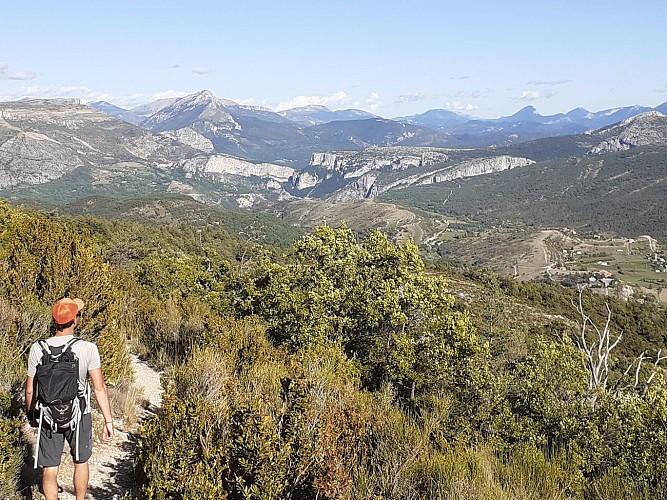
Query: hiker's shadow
x: 122, y: 479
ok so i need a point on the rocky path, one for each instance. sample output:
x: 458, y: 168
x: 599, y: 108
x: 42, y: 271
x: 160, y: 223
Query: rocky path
x: 111, y: 465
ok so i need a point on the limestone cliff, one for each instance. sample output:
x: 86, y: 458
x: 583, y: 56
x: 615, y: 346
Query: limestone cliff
x: 356, y: 163
x: 217, y: 166
x: 192, y: 138
x: 369, y: 185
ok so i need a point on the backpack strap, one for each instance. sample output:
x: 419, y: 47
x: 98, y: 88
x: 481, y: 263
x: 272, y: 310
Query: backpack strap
x: 85, y: 393
x: 46, y: 349
x: 69, y: 344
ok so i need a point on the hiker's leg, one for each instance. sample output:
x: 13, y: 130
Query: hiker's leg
x: 50, y: 483
x: 80, y: 480
x: 85, y: 448
x: 84, y: 434
x: 50, y: 451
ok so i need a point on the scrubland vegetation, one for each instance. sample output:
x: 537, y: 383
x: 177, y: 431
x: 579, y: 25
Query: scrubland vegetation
x: 340, y: 367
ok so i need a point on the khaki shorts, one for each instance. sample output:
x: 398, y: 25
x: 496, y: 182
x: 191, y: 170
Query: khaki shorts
x: 51, y: 444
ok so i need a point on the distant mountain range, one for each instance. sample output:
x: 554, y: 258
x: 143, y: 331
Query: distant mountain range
x: 317, y: 115
x: 223, y: 153
x: 259, y: 134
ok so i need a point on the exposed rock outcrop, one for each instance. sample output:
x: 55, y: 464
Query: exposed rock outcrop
x: 645, y: 129
x: 362, y: 188
x: 367, y: 186
x: 192, y: 138
x: 42, y: 140
x: 356, y: 163
x: 33, y: 158
x: 477, y: 167
x: 304, y: 180
x: 216, y: 167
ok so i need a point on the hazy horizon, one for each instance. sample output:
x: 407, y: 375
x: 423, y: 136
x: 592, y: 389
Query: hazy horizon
x: 484, y: 59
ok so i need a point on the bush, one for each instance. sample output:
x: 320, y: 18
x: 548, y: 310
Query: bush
x: 240, y: 420
x: 634, y: 440
x: 11, y: 453
x: 43, y: 260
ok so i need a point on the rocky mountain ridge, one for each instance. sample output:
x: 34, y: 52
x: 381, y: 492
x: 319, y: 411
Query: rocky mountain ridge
x: 42, y: 140
x: 453, y: 129
x: 373, y: 184
x: 260, y: 135
x: 645, y: 129
x: 63, y: 143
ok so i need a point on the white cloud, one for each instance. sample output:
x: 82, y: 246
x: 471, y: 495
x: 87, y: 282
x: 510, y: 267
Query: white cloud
x: 88, y: 95
x: 533, y: 95
x: 374, y: 102
x: 473, y: 94
x: 549, y: 82
x: 8, y: 74
x: 464, y: 77
x: 201, y: 70
x: 410, y: 97
x: 167, y: 94
x: 337, y: 100
x: 249, y: 101
x: 479, y: 94
x: 38, y: 92
x: 459, y: 106
x: 661, y: 89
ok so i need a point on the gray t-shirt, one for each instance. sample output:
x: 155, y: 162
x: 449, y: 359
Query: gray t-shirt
x: 86, y: 352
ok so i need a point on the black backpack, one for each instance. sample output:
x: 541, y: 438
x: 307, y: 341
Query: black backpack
x: 58, y: 401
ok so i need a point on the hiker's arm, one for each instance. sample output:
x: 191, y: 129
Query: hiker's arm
x: 33, y: 360
x: 102, y: 396
x: 28, y: 393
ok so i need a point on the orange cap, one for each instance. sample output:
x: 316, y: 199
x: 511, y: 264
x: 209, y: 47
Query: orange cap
x: 65, y: 310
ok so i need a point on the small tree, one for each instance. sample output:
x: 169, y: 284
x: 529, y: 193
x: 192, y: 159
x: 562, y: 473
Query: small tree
x: 371, y: 297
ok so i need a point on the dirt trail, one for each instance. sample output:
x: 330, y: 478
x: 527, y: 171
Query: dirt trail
x: 540, y: 259
x: 111, y: 465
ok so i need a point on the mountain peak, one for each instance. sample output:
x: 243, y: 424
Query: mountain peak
x: 201, y: 97
x: 526, y: 113
x: 204, y: 94
x: 579, y: 113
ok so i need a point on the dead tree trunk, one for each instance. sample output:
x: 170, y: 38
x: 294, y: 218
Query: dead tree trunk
x: 596, y: 344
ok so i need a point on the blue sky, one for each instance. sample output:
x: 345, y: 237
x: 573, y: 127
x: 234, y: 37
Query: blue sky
x: 392, y: 58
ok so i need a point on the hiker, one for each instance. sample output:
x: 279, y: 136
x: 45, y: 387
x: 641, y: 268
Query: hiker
x: 52, y: 428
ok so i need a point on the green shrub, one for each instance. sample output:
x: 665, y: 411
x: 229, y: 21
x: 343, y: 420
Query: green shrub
x: 634, y: 439
x: 247, y: 422
x: 43, y: 260
x: 11, y: 453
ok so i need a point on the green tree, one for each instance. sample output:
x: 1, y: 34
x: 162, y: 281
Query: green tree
x: 371, y: 297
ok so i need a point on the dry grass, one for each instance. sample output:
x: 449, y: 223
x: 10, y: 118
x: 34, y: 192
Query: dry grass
x: 126, y: 398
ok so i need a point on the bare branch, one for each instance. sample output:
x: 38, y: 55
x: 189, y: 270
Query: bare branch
x: 640, y: 359
x: 595, y: 344
x: 659, y: 357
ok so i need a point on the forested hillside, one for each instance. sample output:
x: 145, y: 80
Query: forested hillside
x: 342, y: 367
x: 586, y: 192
